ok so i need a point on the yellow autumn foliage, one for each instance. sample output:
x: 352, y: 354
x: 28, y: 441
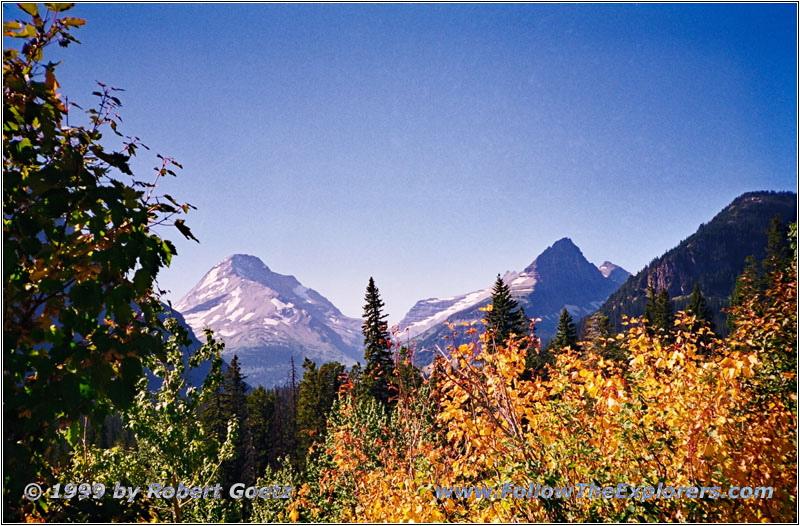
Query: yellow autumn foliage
x: 691, y: 411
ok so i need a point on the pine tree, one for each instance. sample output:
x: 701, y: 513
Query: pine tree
x: 665, y: 313
x: 778, y: 253
x: 242, y: 468
x: 354, y: 376
x: 377, y: 355
x: 650, y: 308
x: 506, y: 317
x: 738, y: 296
x: 659, y: 313
x: 213, y: 416
x: 537, y: 360
x: 283, y: 429
x: 698, y: 307
x: 261, y: 408
x: 566, y: 333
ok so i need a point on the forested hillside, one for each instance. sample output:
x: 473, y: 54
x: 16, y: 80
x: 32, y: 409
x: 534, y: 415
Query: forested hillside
x: 712, y: 258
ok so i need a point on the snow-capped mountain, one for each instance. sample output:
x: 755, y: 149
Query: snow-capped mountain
x: 268, y: 318
x: 560, y: 277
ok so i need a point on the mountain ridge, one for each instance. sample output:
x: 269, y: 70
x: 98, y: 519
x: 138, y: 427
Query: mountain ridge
x: 712, y: 257
x: 543, y: 288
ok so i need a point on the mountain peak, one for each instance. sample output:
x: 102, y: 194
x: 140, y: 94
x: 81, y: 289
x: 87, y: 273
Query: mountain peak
x: 563, y: 246
x: 564, y: 242
x: 247, y: 266
x: 607, y: 268
x: 243, y: 257
x: 557, y: 253
x: 614, y: 272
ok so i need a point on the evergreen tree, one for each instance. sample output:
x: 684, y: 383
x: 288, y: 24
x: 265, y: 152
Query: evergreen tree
x: 755, y: 279
x: 354, y: 376
x: 537, y: 360
x: 698, y: 307
x: 261, y: 408
x: 283, y: 429
x: 749, y: 277
x: 650, y: 308
x: 379, y: 364
x: 737, y: 296
x: 778, y: 254
x: 659, y: 313
x: 213, y: 416
x: 316, y: 394
x: 506, y: 317
x: 566, y: 333
x: 242, y: 468
x: 665, y: 313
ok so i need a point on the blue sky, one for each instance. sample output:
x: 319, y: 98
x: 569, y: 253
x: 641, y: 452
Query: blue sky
x: 434, y: 146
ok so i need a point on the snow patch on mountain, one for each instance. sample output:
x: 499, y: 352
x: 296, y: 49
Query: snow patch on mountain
x: 427, y: 313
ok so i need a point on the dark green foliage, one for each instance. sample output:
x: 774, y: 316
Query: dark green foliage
x: 779, y: 253
x: 737, y: 296
x: 755, y: 278
x: 376, y: 377
x: 80, y: 309
x: 566, y: 333
x: 272, y: 423
x: 230, y: 402
x: 214, y: 416
x: 283, y: 431
x: 659, y: 313
x: 712, y: 258
x: 650, y: 305
x: 316, y: 394
x: 242, y: 468
x: 698, y: 307
x: 537, y: 360
x: 354, y: 376
x: 261, y: 409
x: 665, y: 312
x: 506, y: 317
x: 107, y: 434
